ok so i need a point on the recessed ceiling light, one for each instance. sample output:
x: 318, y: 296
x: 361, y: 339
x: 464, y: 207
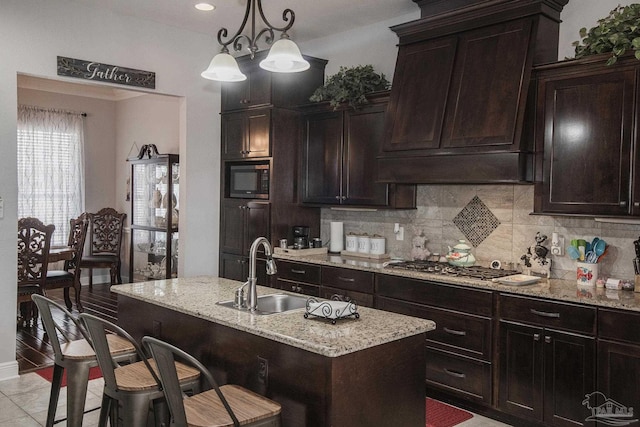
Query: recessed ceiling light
x: 205, y: 7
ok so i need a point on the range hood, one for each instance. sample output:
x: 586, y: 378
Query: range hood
x: 460, y: 104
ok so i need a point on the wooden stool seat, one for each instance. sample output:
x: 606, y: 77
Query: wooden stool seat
x: 81, y: 349
x: 206, y: 409
x: 136, y: 376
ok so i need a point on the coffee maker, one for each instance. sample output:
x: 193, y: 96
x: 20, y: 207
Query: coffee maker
x: 300, y: 236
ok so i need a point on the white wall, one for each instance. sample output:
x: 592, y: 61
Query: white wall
x: 32, y: 34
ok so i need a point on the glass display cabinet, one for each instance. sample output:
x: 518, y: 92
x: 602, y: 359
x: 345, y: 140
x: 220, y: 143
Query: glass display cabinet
x: 154, y: 215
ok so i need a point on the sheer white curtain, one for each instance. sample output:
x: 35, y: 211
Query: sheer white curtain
x: 50, y: 167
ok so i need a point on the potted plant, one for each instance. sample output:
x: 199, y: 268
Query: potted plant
x: 350, y: 84
x: 616, y: 33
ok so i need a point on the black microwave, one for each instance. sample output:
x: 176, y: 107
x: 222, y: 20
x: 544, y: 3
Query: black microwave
x: 248, y: 181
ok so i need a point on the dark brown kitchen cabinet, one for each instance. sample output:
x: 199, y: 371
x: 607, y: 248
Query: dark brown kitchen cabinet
x: 460, y: 92
x: 298, y: 277
x: 236, y: 267
x: 246, y: 134
x: 241, y: 222
x: 547, y: 361
x: 619, y: 357
x: 459, y: 350
x: 339, y: 157
x: 585, y: 135
x: 274, y: 89
x: 348, y: 285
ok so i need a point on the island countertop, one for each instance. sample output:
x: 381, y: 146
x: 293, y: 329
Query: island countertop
x: 198, y: 297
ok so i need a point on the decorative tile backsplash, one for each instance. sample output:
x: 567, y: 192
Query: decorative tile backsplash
x: 476, y: 221
x: 438, y: 206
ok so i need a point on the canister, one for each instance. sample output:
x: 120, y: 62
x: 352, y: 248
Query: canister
x: 378, y: 244
x: 364, y: 244
x: 352, y: 242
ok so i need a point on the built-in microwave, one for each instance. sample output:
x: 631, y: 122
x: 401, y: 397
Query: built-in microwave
x: 248, y: 181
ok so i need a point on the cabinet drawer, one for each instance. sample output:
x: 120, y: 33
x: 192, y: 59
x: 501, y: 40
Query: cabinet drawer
x: 619, y: 325
x: 345, y: 278
x: 298, y: 271
x: 298, y: 287
x: 453, y: 297
x: 467, y: 377
x: 458, y: 332
x: 549, y: 314
x: 359, y: 298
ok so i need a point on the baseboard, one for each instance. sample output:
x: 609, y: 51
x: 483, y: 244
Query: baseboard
x: 8, y: 370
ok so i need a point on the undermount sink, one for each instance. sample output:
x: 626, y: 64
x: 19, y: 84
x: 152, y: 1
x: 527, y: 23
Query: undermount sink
x: 274, y: 303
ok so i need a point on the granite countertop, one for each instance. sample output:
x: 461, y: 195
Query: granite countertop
x: 555, y: 289
x: 198, y: 296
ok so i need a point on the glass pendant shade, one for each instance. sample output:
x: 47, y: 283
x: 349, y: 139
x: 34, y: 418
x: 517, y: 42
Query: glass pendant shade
x: 223, y: 68
x: 284, y: 57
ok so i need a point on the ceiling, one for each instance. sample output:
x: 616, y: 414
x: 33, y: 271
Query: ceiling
x: 313, y: 18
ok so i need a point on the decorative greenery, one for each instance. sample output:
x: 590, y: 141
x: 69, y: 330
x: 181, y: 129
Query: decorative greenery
x: 350, y: 85
x: 617, y: 33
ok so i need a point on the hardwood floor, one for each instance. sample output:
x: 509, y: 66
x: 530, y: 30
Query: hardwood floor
x: 33, y: 350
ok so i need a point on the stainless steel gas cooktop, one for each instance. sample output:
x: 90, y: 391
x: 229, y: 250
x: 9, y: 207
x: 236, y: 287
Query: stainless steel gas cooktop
x: 443, y: 269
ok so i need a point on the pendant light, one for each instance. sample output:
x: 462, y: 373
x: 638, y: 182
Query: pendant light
x: 284, y: 56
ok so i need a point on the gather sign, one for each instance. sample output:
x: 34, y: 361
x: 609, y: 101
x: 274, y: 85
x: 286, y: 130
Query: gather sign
x: 91, y: 70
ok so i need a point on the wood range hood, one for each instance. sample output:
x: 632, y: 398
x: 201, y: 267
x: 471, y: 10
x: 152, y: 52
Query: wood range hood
x: 461, y: 93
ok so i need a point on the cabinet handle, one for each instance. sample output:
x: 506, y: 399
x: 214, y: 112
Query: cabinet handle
x: 636, y: 204
x: 244, y: 101
x: 623, y: 203
x: 346, y: 279
x: 337, y: 197
x: 454, y: 332
x: 545, y: 314
x: 536, y: 337
x: 298, y: 271
x: 293, y: 288
x: 299, y: 289
x: 454, y: 373
x: 547, y: 339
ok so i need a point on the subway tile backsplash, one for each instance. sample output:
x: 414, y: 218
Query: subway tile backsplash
x: 497, y: 222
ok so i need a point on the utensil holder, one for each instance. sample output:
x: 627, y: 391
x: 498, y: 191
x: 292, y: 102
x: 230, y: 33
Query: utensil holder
x: 637, y: 283
x: 586, y: 273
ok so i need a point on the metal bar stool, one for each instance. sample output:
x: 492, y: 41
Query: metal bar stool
x: 76, y: 356
x: 228, y: 405
x: 134, y: 386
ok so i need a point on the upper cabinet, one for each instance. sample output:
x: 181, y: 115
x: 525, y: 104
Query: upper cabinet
x: 246, y: 134
x: 263, y: 88
x: 586, y: 113
x: 460, y: 89
x: 339, y: 157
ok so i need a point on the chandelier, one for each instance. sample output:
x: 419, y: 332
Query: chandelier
x: 284, y: 55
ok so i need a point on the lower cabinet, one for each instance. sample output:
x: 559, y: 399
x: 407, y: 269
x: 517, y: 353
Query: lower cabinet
x: 545, y: 372
x: 298, y: 277
x: 236, y: 267
x: 459, y: 350
x: 348, y: 285
x: 619, y: 359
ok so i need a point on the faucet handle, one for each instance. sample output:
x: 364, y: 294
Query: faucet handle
x: 239, y: 300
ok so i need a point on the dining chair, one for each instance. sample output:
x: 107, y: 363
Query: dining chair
x: 135, y: 386
x: 69, y: 277
x: 227, y: 405
x: 105, y: 242
x: 75, y: 356
x: 34, y: 242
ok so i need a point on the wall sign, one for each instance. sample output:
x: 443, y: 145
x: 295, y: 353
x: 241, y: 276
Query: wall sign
x: 89, y: 70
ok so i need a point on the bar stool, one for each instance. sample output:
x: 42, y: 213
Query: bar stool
x: 134, y: 386
x: 228, y: 405
x: 76, y: 356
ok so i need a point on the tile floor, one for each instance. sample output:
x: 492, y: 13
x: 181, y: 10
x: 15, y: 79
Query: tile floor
x: 24, y: 400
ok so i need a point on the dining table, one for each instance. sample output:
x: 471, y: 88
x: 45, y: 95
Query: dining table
x: 61, y: 253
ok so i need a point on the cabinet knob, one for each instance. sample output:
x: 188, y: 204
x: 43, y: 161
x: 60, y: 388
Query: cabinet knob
x: 343, y: 198
x: 623, y: 203
x: 337, y: 197
x: 636, y: 204
x: 244, y: 101
x: 547, y: 339
x: 536, y: 337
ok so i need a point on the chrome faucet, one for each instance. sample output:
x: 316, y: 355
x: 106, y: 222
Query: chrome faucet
x: 252, y: 298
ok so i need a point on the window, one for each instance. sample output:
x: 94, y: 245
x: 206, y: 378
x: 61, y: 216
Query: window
x: 50, y: 167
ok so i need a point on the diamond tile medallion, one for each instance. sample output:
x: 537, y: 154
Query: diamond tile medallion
x: 476, y: 221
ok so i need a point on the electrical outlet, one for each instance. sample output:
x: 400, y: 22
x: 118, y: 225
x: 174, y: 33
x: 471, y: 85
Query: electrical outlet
x: 398, y: 231
x: 263, y: 370
x: 557, y: 245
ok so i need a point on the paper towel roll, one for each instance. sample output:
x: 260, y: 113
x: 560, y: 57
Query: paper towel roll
x: 336, y: 244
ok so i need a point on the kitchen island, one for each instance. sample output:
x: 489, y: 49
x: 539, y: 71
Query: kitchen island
x: 359, y: 372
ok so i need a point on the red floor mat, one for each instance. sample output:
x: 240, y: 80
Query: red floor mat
x: 442, y: 415
x: 47, y: 374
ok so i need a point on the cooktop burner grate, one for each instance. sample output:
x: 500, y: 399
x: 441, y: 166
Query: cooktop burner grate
x: 443, y: 269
